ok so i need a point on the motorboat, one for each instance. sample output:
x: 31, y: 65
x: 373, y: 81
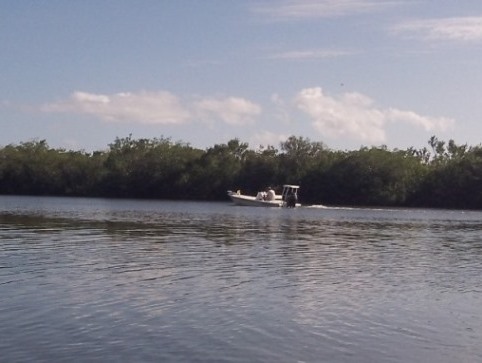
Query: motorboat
x: 287, y: 199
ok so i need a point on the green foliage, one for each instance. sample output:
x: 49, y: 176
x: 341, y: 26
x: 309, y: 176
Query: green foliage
x: 34, y: 168
x: 145, y: 168
x: 448, y: 176
x: 454, y: 179
x: 373, y: 176
x: 299, y: 156
x: 260, y: 169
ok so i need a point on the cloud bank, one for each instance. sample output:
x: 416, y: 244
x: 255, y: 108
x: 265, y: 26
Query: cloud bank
x: 351, y: 115
x: 155, y: 108
x: 142, y: 107
x: 310, y: 54
x: 232, y: 110
x: 355, y: 115
x: 467, y: 29
x: 304, y: 9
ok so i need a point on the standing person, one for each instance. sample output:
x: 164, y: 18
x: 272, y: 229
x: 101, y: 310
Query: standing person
x: 292, y: 199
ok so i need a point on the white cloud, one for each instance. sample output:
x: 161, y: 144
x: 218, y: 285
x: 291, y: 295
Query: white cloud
x: 156, y: 108
x: 302, y: 9
x: 281, y: 112
x: 350, y: 115
x: 267, y: 138
x: 142, y: 107
x: 458, y: 28
x: 232, y: 110
x: 428, y: 123
x: 310, y: 54
x: 354, y: 115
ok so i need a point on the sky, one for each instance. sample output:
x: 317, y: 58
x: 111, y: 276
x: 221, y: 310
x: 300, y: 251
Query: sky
x: 347, y: 73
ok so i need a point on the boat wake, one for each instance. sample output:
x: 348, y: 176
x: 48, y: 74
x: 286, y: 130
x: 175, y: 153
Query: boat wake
x: 321, y: 206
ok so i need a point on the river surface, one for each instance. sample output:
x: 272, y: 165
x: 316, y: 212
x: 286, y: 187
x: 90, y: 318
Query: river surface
x: 98, y: 280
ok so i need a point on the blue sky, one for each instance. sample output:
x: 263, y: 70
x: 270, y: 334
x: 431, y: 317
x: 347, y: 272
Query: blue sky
x: 348, y: 73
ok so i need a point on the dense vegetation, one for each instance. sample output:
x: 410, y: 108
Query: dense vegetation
x: 445, y: 176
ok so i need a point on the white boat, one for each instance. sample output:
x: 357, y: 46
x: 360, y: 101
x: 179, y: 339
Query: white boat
x: 288, y: 198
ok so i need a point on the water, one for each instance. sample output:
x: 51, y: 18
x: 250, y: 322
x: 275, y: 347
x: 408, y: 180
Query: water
x: 94, y: 280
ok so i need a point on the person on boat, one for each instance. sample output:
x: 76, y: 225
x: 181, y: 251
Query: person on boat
x: 270, y: 194
x: 292, y: 199
x: 261, y: 196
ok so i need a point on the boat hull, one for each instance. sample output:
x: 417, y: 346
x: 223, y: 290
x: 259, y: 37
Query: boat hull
x: 249, y: 201
x: 287, y: 199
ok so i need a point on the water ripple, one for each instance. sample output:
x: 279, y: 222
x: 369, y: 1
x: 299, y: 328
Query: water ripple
x: 152, y: 281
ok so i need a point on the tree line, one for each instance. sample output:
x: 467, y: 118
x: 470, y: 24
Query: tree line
x: 442, y: 175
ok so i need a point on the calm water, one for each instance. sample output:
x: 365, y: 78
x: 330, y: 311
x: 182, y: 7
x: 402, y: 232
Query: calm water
x: 93, y: 280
